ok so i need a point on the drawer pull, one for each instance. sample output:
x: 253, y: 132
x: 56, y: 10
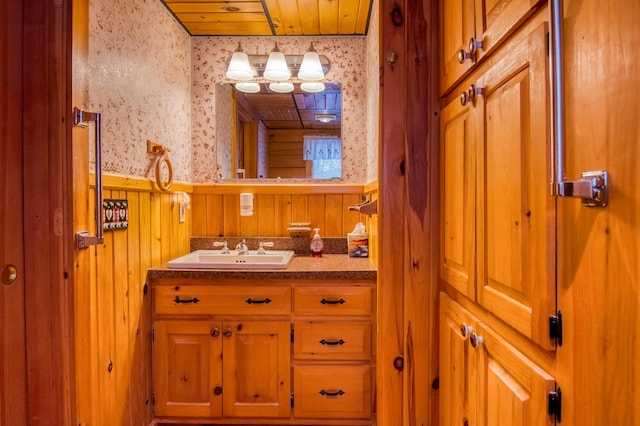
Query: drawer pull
x: 178, y: 300
x: 333, y: 302
x: 332, y: 342
x: 331, y: 393
x: 258, y: 301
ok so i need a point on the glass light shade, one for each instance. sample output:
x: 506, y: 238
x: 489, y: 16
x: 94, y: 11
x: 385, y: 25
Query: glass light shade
x: 312, y: 86
x: 277, y: 68
x: 281, y: 87
x: 311, y: 68
x: 248, y: 87
x: 239, y: 67
x: 325, y: 118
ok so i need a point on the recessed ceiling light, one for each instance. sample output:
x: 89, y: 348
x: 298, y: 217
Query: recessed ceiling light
x: 325, y: 118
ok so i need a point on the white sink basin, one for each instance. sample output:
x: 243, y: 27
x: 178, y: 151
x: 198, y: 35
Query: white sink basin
x: 214, y: 259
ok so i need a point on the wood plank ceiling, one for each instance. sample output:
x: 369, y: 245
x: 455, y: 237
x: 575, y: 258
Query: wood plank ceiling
x: 296, y: 110
x: 272, y: 17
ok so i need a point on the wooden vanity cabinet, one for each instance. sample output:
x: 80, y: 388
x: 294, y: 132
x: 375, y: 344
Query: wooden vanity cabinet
x: 222, y: 351
x: 484, y: 379
x: 333, y: 354
x: 278, y: 352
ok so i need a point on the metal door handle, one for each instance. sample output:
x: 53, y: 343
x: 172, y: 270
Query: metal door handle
x: 83, y: 239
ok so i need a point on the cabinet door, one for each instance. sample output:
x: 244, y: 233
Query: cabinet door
x: 186, y: 368
x: 256, y: 375
x: 512, y: 390
x: 459, y: 138
x: 458, y: 387
x: 515, y: 214
x: 457, y: 27
x: 496, y: 19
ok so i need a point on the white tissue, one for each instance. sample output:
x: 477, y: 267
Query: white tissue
x: 359, y: 228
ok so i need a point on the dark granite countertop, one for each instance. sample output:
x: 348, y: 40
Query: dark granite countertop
x: 329, y: 266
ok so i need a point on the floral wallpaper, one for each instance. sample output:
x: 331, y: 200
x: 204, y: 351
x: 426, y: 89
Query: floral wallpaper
x: 152, y: 81
x: 139, y: 80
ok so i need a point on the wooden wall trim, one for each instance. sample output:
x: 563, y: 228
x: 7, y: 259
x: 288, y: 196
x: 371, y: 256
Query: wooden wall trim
x: 278, y: 188
x: 133, y: 183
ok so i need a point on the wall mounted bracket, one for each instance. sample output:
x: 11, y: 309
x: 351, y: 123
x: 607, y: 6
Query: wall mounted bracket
x: 593, y: 188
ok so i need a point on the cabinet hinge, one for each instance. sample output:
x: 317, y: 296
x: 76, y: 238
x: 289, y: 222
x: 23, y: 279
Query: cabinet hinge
x: 291, y: 335
x: 554, y: 407
x: 292, y: 400
x: 555, y: 327
x: 153, y: 399
x: 153, y: 335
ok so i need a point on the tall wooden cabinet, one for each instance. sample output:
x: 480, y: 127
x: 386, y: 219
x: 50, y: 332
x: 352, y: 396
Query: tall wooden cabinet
x: 497, y: 217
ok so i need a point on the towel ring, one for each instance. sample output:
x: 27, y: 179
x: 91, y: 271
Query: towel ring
x: 164, y: 158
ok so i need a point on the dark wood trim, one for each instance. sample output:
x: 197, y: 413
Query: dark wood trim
x: 47, y: 291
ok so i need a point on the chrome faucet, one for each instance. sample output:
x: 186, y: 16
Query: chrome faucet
x: 225, y: 248
x: 261, y: 249
x: 242, y: 247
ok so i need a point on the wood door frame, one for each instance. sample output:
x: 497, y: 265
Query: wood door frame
x: 46, y: 199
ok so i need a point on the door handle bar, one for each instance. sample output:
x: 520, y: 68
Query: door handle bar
x: 83, y: 239
x: 593, y: 187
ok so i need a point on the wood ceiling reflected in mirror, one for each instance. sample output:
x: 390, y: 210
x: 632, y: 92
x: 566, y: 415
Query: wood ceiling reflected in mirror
x: 272, y: 17
x: 295, y: 110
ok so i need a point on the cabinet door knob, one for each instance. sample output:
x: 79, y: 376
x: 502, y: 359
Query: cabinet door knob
x: 476, y: 340
x: 474, y: 92
x: 227, y: 332
x: 465, y: 329
x: 464, y: 98
x: 474, y: 45
x: 215, y: 332
x: 217, y: 390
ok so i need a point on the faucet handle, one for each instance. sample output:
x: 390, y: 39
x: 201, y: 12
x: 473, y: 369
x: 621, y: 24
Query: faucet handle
x: 261, y: 249
x: 225, y: 248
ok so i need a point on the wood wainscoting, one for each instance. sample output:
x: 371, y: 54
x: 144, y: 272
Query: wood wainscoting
x: 216, y: 209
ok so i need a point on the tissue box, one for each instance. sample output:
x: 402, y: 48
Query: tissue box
x: 358, y: 245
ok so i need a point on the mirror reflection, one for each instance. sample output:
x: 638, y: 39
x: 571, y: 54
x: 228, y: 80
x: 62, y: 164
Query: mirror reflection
x: 279, y: 135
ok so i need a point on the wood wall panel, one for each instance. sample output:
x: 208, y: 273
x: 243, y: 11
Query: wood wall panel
x: 115, y: 304
x: 275, y: 207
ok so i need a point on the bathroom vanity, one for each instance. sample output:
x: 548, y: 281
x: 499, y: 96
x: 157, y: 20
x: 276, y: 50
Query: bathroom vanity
x: 272, y: 347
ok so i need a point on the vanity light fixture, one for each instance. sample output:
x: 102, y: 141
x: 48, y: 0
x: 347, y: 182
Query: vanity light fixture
x: 311, y: 68
x: 281, y: 87
x: 312, y: 86
x: 248, y: 87
x: 277, y: 68
x: 325, y: 118
x: 239, y: 66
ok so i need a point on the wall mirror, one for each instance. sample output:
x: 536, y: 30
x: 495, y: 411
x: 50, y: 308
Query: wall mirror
x: 267, y: 134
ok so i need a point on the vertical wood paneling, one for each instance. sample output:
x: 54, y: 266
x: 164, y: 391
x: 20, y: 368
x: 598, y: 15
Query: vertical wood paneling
x: 231, y: 214
x: 334, y: 214
x: 282, y: 209
x: 317, y: 209
x: 121, y: 362
x: 249, y: 225
x: 199, y: 223
x: 155, y: 229
x: 117, y: 320
x: 265, y: 213
x: 215, y: 216
x: 299, y: 208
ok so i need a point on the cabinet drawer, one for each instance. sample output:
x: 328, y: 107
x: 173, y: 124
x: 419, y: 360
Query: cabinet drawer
x: 336, y: 340
x: 331, y: 392
x: 332, y: 300
x: 222, y: 300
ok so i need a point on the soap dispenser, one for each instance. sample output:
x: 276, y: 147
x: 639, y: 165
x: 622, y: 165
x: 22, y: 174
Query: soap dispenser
x: 316, y: 244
